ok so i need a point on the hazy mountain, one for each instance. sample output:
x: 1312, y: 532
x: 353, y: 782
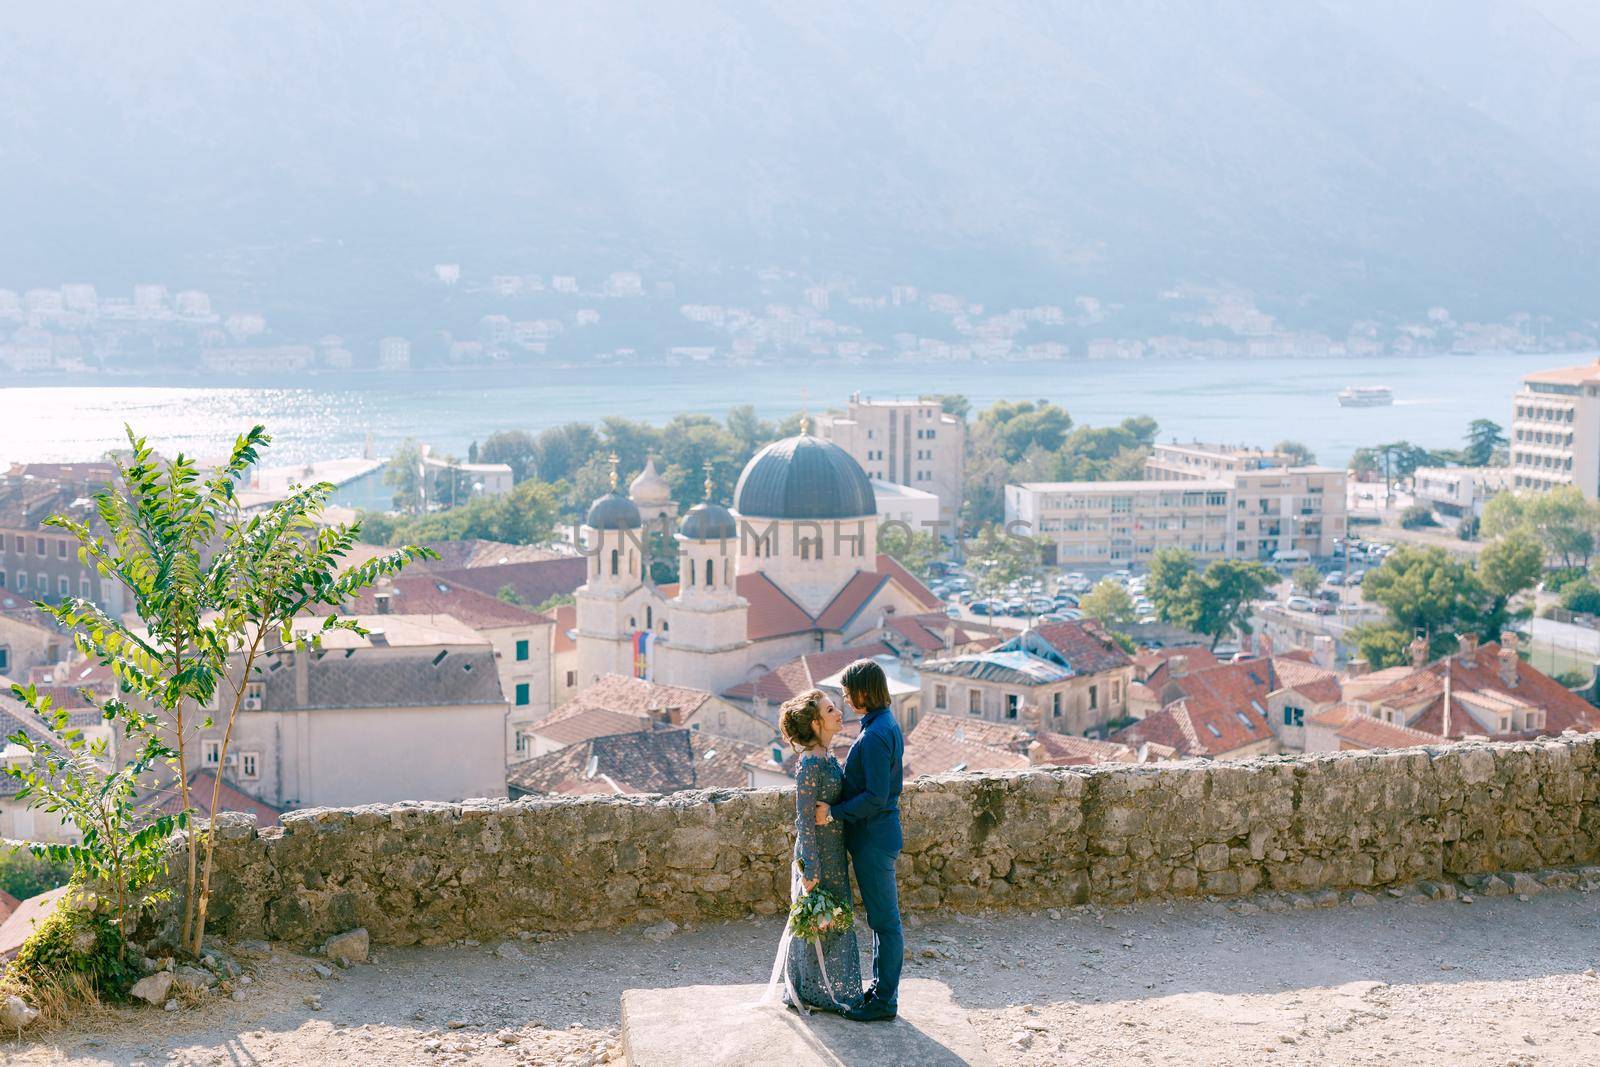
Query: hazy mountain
x: 1333, y: 156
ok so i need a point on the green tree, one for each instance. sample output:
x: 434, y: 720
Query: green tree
x: 123, y: 846
x: 1307, y: 580
x: 515, y: 448
x: 24, y: 874
x: 1018, y: 425
x: 1417, y: 516
x: 1581, y: 597
x: 1511, y: 564
x: 915, y: 550
x: 1382, y: 645
x: 748, y: 432
x: 1424, y: 590
x: 1484, y: 436
x: 951, y: 403
x: 1169, y: 569
x: 1565, y: 523
x: 1297, y: 454
x: 1108, y: 603
x: 525, y: 516
x: 214, y: 590
x: 561, y: 451
x: 999, y: 558
x: 1218, y: 599
x: 403, y: 473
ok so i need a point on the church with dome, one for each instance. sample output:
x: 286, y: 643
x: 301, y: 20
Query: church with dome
x: 791, y: 568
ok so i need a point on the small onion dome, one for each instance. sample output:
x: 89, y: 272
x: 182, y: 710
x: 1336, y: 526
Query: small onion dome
x: 804, y: 477
x: 709, y: 522
x: 649, y: 488
x: 613, y: 512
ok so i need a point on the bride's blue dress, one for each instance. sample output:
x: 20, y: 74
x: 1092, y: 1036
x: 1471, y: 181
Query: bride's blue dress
x: 821, y: 854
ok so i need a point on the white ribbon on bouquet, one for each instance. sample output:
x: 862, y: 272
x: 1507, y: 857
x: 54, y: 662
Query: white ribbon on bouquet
x: 771, y: 998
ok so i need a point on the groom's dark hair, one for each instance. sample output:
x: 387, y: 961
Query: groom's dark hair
x: 865, y: 684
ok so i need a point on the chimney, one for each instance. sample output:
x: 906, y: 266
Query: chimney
x: 1177, y: 666
x: 1469, y: 650
x: 1035, y: 753
x: 1509, y: 662
x: 1356, y: 667
x: 1263, y: 646
x: 1419, y: 652
x: 384, y: 601
x: 1322, y: 653
x: 1032, y: 718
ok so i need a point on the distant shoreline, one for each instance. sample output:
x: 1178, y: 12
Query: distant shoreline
x: 177, y: 378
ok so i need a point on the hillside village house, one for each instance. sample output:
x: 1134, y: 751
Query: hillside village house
x: 521, y: 637
x: 1482, y: 691
x: 619, y: 704
x: 28, y: 637
x: 413, y: 710
x: 1069, y: 676
x: 41, y: 563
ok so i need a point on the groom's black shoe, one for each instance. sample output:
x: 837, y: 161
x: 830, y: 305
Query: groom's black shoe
x: 871, y: 1011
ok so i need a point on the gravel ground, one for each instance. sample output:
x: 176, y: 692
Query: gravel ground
x: 1499, y: 981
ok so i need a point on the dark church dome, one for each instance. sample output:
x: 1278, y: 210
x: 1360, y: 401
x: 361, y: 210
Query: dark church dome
x: 804, y: 477
x: 613, y: 512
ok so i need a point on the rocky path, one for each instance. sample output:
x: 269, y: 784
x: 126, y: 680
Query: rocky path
x: 1498, y: 981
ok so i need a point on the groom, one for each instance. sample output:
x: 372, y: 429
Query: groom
x: 869, y: 808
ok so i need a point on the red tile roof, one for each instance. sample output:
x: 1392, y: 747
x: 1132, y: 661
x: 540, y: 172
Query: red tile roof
x: 848, y: 602
x: 533, y: 582
x: 568, y: 725
x: 1564, y: 710
x: 169, y: 800
x: 627, y: 695
x: 941, y: 744
x: 1158, y: 663
x: 435, y: 594
x: 20, y: 923
x: 772, y: 612
x: 1365, y: 732
x: 666, y: 760
x: 798, y: 675
x: 913, y: 586
x: 1222, y: 710
x: 1084, y: 646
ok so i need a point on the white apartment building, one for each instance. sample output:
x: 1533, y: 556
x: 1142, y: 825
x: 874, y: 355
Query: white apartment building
x: 1555, y: 430
x: 909, y: 442
x: 1120, y: 523
x: 1211, y: 501
x: 1459, y: 491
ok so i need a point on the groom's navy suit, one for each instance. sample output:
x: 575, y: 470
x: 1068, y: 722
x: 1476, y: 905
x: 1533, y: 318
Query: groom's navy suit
x: 869, y: 808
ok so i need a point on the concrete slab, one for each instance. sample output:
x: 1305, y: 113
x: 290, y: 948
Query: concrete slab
x: 714, y: 1026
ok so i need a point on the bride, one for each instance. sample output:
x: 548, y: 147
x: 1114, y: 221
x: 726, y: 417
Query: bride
x: 823, y: 976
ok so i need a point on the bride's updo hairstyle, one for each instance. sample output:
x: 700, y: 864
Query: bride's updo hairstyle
x: 798, y: 717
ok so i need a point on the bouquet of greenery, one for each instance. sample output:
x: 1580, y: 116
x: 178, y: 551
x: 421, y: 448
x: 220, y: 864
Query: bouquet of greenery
x: 819, y: 915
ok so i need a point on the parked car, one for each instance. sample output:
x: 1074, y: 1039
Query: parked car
x: 1322, y: 607
x: 1054, y: 617
x: 1335, y: 578
x: 1040, y: 607
x: 1355, y: 577
x: 981, y: 607
x: 1329, y: 595
x: 1299, y: 603
x: 1012, y: 607
x: 1066, y: 600
x: 953, y: 610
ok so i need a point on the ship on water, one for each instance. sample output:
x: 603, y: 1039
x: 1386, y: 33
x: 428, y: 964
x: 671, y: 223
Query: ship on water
x: 1366, y: 396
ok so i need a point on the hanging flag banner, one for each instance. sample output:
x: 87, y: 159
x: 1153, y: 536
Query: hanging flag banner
x: 644, y: 648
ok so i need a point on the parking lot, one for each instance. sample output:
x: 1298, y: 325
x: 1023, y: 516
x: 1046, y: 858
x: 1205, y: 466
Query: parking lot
x: 1054, y: 595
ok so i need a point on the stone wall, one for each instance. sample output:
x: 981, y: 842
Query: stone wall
x: 435, y: 872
